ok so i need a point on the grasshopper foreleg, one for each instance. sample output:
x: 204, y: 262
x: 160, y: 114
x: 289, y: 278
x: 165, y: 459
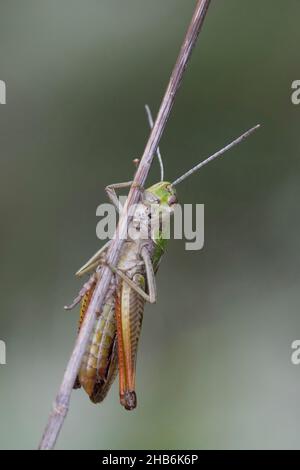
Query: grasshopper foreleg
x: 112, y: 195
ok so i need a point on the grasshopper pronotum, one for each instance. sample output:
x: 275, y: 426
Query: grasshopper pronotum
x: 114, y: 340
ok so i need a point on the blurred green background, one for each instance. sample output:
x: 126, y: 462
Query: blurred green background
x: 214, y: 367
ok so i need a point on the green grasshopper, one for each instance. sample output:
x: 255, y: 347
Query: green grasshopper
x: 114, y: 340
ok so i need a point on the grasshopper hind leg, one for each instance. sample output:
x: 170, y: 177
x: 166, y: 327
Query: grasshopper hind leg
x: 129, y: 316
x: 85, y: 300
x: 94, y: 261
x: 130, y: 400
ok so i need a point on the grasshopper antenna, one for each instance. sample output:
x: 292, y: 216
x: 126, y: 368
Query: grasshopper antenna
x: 216, y: 155
x: 150, y: 120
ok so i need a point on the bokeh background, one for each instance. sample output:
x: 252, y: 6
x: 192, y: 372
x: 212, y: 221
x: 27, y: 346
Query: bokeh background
x: 214, y: 368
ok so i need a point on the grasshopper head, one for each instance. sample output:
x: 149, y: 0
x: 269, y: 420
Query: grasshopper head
x: 162, y: 193
x: 162, y: 199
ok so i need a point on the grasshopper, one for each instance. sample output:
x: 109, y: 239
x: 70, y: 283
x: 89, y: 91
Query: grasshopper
x: 113, y: 343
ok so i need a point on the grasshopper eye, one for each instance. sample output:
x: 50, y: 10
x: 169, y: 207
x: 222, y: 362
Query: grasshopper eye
x: 172, y: 200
